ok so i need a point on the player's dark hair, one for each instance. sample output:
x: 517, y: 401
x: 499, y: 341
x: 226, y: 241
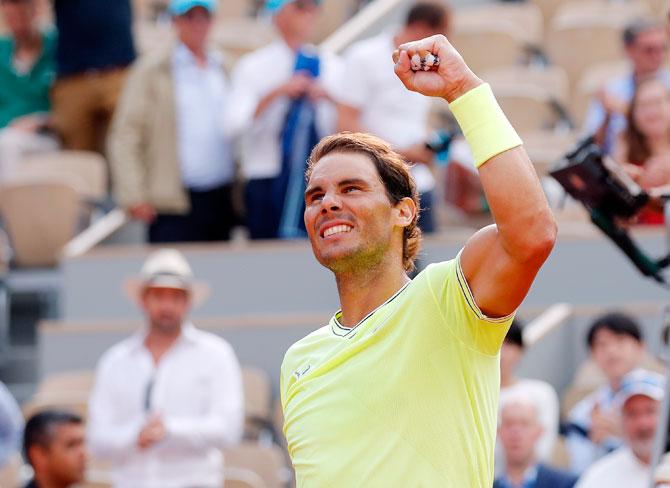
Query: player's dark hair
x: 434, y: 15
x: 393, y: 171
x: 617, y: 323
x: 39, y: 430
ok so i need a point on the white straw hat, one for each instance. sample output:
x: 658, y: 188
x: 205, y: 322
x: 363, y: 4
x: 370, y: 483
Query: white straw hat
x: 167, y: 268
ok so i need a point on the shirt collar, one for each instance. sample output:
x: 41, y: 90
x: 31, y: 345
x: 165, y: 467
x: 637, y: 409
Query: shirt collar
x: 188, y: 335
x: 529, y: 478
x: 184, y: 57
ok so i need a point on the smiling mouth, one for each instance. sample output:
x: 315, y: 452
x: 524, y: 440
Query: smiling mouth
x: 338, y: 229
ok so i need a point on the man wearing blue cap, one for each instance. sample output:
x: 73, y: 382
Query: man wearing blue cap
x: 170, y: 156
x: 283, y: 106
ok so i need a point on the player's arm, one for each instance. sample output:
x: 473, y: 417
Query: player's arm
x: 500, y: 261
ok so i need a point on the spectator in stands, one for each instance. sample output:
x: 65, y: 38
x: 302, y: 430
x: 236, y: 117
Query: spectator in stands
x: 169, y: 398
x: 54, y: 446
x: 542, y: 392
x: 27, y: 64
x: 373, y: 99
x: 519, y: 431
x: 615, y: 344
x: 11, y: 425
x: 95, y: 47
x: 646, y: 45
x: 643, y: 148
x: 281, y: 111
x: 639, y: 404
x: 171, y: 160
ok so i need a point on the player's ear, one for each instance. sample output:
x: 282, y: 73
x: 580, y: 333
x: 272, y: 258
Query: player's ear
x: 404, y: 212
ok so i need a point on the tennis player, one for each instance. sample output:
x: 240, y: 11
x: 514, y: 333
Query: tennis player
x: 400, y: 389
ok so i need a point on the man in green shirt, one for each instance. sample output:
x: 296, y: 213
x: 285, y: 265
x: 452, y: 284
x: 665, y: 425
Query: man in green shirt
x: 26, y: 75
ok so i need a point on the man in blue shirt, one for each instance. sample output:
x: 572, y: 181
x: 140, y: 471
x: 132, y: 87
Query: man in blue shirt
x: 95, y: 46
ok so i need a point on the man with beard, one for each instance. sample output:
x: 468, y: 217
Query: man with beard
x: 630, y: 465
x: 167, y: 399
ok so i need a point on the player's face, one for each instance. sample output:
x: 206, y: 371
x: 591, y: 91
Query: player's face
x: 166, y: 308
x: 348, y: 214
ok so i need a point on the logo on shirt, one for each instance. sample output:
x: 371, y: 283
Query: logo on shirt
x: 299, y: 373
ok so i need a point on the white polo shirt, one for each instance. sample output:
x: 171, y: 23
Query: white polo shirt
x: 620, y: 469
x: 257, y: 74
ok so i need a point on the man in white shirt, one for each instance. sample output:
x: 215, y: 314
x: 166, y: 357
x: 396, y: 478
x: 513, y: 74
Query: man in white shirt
x: 170, y: 151
x: 169, y: 398
x: 639, y: 400
x: 372, y: 99
x: 267, y: 83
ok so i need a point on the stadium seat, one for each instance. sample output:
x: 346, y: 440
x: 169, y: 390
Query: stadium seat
x: 334, y: 13
x: 551, y: 79
x: 10, y: 473
x: 40, y: 218
x: 71, y: 381
x: 528, y: 107
x: 266, y: 461
x: 242, y: 478
x: 613, y: 10
x: 489, y: 45
x: 257, y: 394
x: 75, y: 402
x: 524, y: 17
x: 546, y: 148
x: 547, y: 8
x: 238, y: 37
x: 568, y: 39
x: 87, y: 170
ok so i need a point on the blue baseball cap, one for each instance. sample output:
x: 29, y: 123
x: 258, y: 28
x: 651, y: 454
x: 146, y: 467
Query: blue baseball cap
x: 180, y: 7
x: 275, y: 6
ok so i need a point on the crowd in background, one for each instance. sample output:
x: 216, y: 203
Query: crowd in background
x: 183, y: 136
x: 195, y: 149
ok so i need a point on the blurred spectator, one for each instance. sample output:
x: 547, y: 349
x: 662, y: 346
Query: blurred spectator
x: 646, y: 45
x: 95, y: 46
x: 643, y: 148
x: 373, y: 99
x: 615, y: 344
x: 171, y: 161
x: 542, y: 392
x: 169, y: 398
x: 11, y: 425
x: 638, y: 402
x: 283, y: 106
x: 54, y: 446
x: 27, y: 58
x: 519, y: 431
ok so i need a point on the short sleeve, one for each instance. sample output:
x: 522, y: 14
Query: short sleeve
x: 460, y: 311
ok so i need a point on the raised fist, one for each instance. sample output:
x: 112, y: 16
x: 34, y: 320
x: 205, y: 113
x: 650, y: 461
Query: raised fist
x: 448, y: 79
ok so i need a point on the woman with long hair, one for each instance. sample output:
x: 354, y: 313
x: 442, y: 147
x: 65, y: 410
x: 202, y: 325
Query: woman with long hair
x: 644, y: 146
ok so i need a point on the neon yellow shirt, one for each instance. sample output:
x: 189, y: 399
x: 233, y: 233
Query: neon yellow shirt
x: 407, y: 398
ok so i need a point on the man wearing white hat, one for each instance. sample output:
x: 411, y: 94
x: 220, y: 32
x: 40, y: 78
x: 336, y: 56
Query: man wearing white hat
x: 170, y: 155
x: 168, y: 398
x: 639, y: 400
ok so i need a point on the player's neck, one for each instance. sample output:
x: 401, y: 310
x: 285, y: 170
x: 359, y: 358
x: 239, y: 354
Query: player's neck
x: 363, y: 290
